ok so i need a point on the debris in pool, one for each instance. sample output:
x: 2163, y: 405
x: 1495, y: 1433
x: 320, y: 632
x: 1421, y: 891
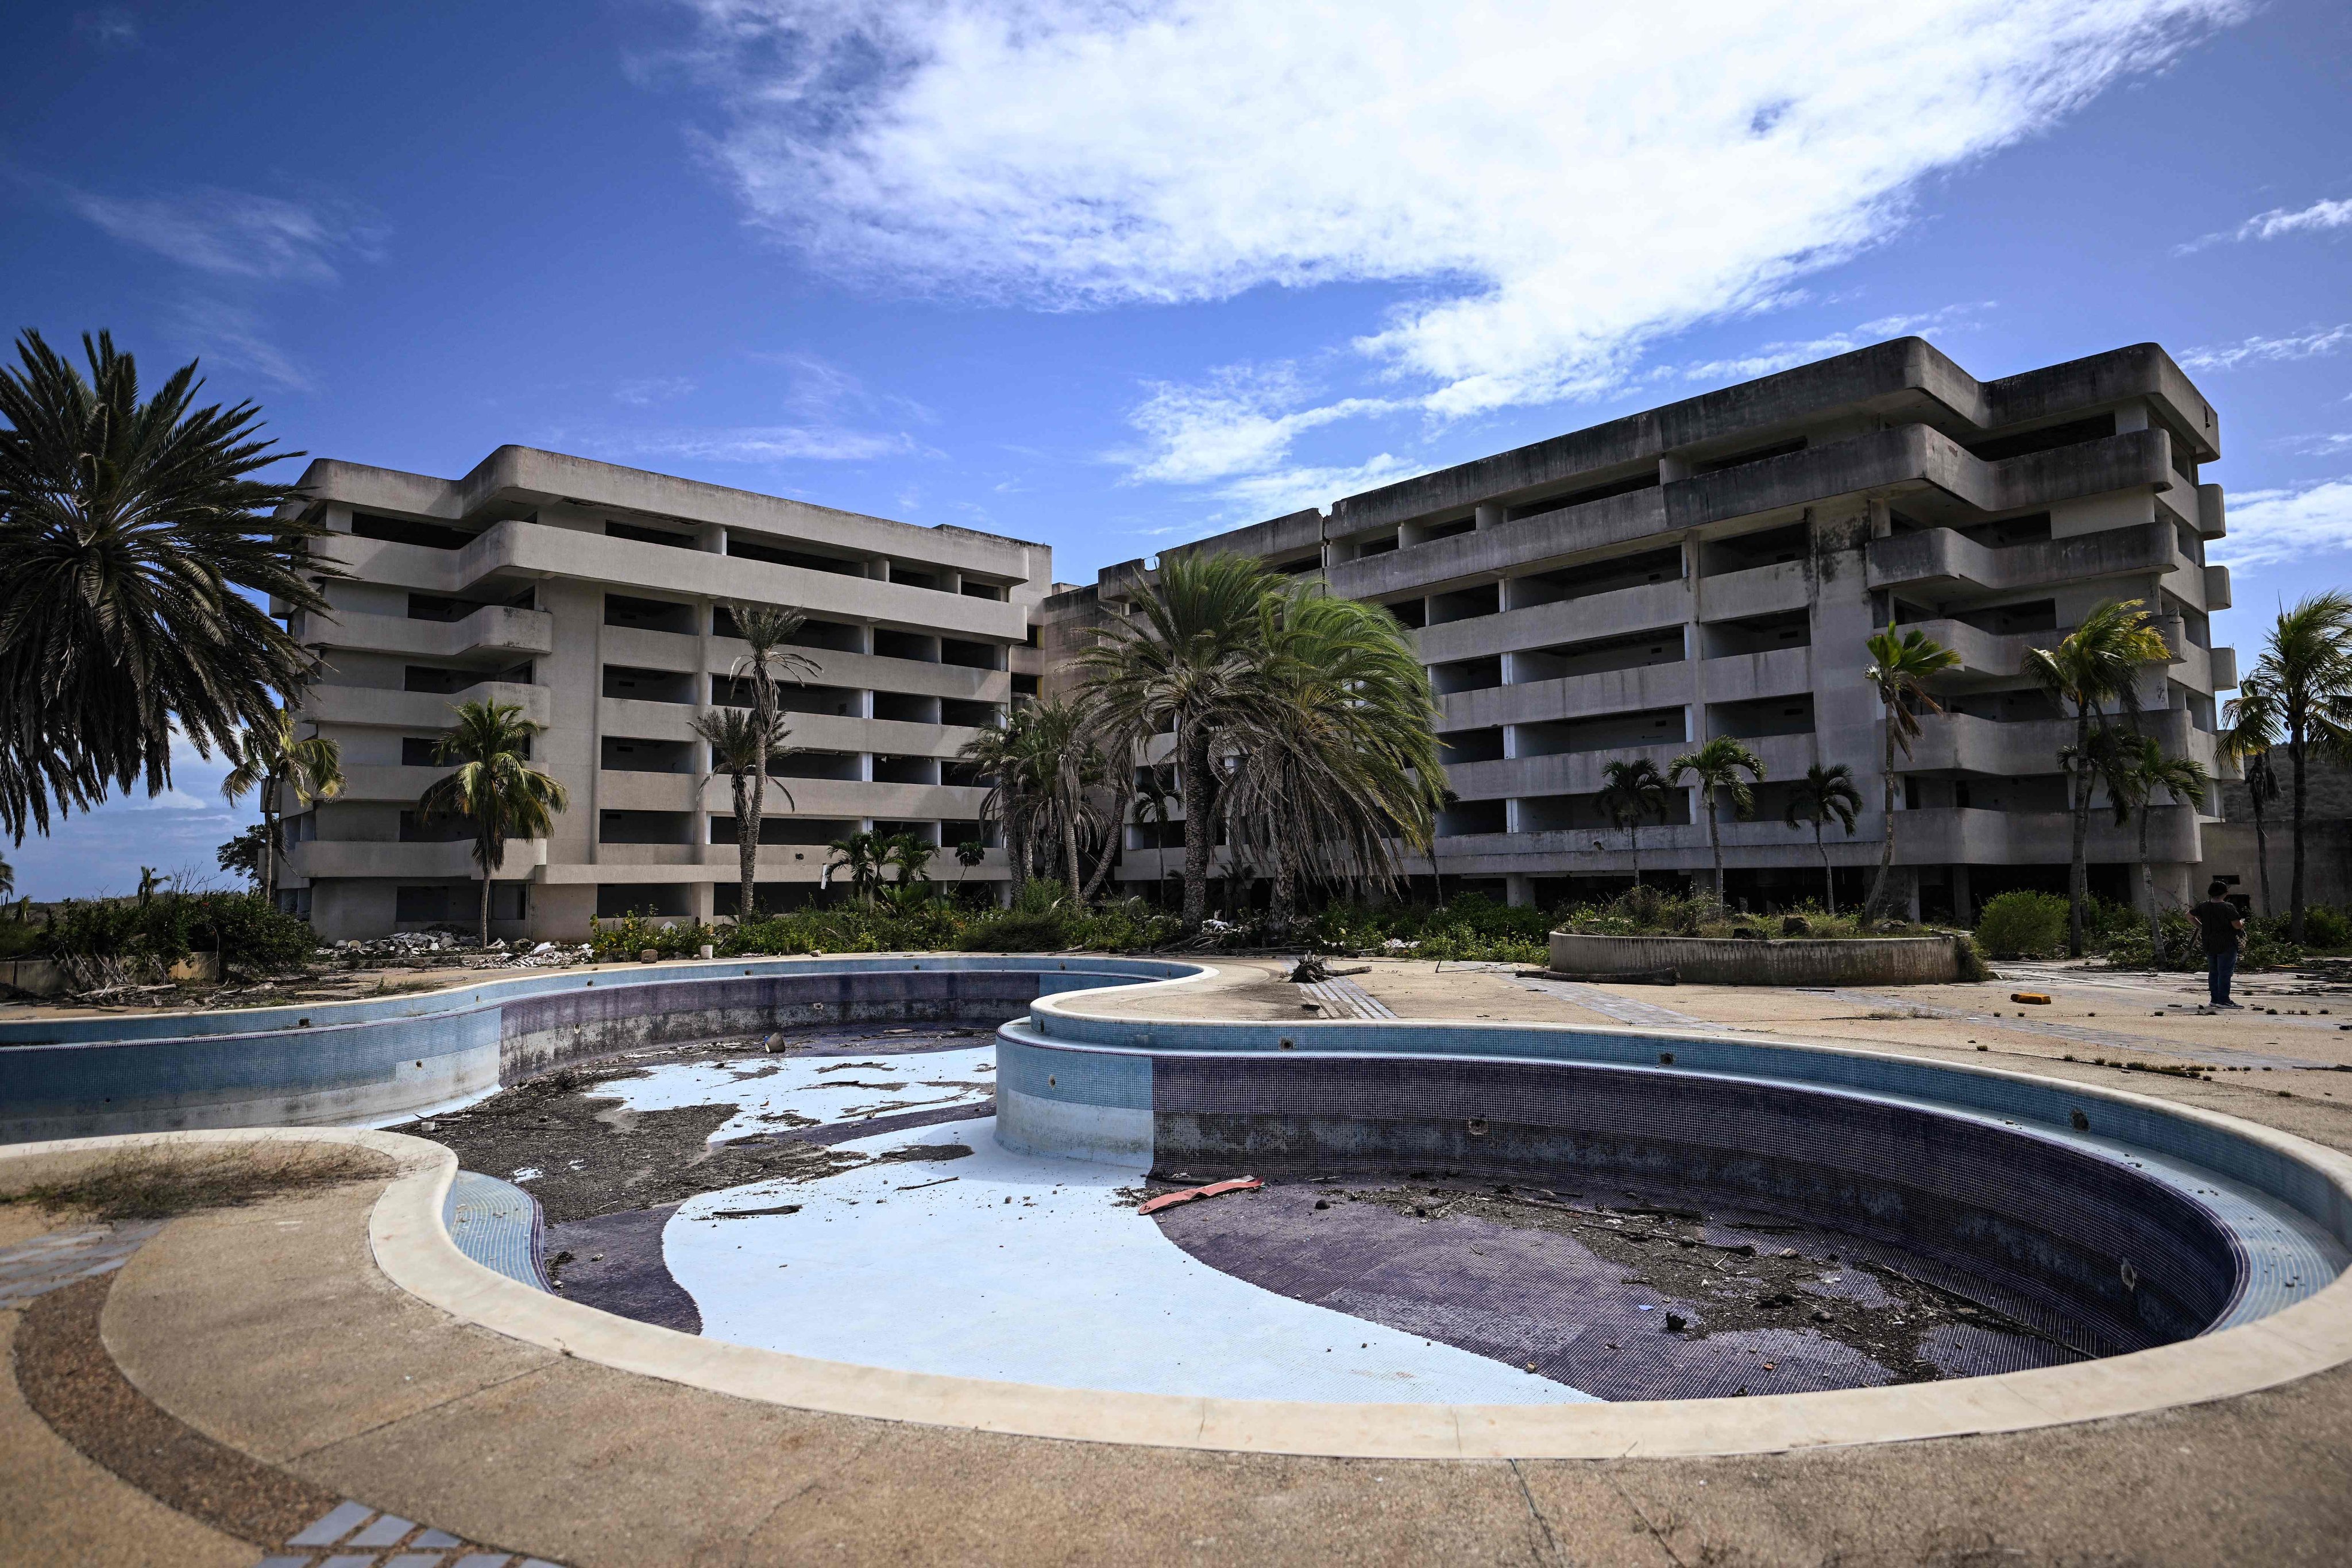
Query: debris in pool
x: 525, y: 1173
x: 753, y: 1214
x: 1677, y: 1322
x: 1645, y: 1307
x: 918, y: 1187
x: 1170, y: 1200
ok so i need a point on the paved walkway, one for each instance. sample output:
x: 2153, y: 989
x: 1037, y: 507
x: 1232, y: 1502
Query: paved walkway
x: 248, y: 1372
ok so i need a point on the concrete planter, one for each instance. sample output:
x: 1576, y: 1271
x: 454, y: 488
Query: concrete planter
x: 34, y: 976
x: 1740, y: 961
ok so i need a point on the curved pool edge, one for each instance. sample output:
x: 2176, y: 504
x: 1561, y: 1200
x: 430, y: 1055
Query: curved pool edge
x: 410, y: 1245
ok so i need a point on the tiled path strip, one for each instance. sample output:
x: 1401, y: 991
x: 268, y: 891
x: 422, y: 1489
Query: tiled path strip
x: 70, y: 1381
x: 1609, y: 1004
x: 1346, y: 999
x: 48, y: 1262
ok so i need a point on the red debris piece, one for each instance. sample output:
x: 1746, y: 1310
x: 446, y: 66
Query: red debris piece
x: 1170, y: 1200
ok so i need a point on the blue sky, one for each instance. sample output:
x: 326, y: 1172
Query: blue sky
x: 1113, y: 274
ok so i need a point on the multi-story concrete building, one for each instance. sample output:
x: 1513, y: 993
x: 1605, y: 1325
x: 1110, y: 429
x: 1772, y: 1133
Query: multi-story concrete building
x: 594, y: 598
x: 1713, y: 567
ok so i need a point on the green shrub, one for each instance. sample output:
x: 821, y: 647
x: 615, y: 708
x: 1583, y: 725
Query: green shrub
x: 112, y: 941
x: 2023, y: 924
x: 2326, y: 928
x: 1016, y: 931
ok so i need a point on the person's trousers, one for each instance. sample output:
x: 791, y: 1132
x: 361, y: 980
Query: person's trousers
x: 2218, y: 967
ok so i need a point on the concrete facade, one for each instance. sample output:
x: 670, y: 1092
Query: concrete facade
x: 1713, y: 567
x: 592, y: 596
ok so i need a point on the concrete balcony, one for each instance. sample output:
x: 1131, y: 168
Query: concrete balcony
x: 2002, y: 656
x: 1758, y: 591
x: 494, y: 629
x: 538, y: 550
x: 1959, y: 742
x: 379, y: 783
x: 1618, y: 614
x: 1580, y: 773
x: 653, y: 854
x: 2225, y: 668
x: 1774, y: 673
x: 1569, y: 697
x: 852, y: 798
x: 2217, y: 588
x: 619, y: 791
x: 318, y: 858
x: 1942, y: 558
x: 375, y: 708
x: 1960, y: 836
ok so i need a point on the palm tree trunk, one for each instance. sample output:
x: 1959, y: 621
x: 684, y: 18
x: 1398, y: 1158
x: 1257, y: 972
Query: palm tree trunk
x: 2263, y: 855
x: 2078, y: 869
x: 487, y: 864
x: 2295, y: 887
x: 1829, y: 877
x: 747, y: 849
x: 268, y: 856
x: 1195, y: 786
x: 1715, y: 843
x: 1633, y: 838
x: 1070, y: 854
x: 1875, y: 902
x: 1111, y: 837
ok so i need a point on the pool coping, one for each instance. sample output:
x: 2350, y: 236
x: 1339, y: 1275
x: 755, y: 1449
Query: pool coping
x: 414, y: 1250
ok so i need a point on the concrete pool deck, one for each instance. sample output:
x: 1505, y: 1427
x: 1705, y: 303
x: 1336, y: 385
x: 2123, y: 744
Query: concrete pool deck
x: 275, y: 1332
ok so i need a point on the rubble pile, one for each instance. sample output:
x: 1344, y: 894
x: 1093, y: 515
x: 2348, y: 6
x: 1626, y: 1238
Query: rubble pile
x: 431, y: 947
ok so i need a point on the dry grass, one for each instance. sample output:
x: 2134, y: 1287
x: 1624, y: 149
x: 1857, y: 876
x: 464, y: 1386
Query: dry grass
x: 153, y: 1183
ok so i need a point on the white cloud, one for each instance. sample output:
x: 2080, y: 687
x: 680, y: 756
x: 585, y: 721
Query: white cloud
x: 2268, y: 527
x: 1243, y: 421
x: 2319, y: 214
x: 1281, y: 491
x: 1559, y: 185
x: 239, y: 234
x: 175, y: 798
x: 826, y: 407
x: 763, y: 444
x: 2303, y: 345
x: 2327, y: 446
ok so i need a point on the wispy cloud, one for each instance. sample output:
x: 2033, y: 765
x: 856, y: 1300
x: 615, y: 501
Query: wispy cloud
x: 1559, y: 187
x: 236, y: 234
x: 108, y: 27
x: 1241, y: 421
x: 645, y: 390
x: 235, y: 336
x: 2321, y: 446
x: 2321, y: 215
x: 2268, y: 528
x: 830, y: 416
x: 1772, y: 357
x: 2313, y: 345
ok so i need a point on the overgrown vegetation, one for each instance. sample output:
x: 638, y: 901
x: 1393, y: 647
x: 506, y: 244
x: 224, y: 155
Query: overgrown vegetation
x: 103, y: 943
x: 151, y: 1183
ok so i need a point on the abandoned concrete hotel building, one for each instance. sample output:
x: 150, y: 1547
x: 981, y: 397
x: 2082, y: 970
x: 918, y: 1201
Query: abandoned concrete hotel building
x: 1711, y: 567
x: 592, y: 596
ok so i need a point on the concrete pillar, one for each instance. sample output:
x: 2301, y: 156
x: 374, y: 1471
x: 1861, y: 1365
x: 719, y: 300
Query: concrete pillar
x: 1520, y: 890
x: 1911, y: 892
x: 702, y: 901
x: 1488, y: 515
x: 1672, y: 469
x: 1963, y: 904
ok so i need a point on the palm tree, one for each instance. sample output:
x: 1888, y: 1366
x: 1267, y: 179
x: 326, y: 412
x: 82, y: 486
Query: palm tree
x: 911, y: 854
x: 767, y: 632
x: 137, y: 560
x: 494, y: 788
x: 8, y: 880
x: 2093, y: 667
x: 863, y: 856
x: 1001, y: 754
x: 1335, y: 747
x: 2182, y: 778
x: 968, y: 854
x: 1183, y: 660
x: 1899, y: 670
x: 2306, y: 669
x: 271, y: 759
x: 1824, y: 795
x: 1714, y: 767
x: 1632, y: 790
x: 741, y: 749
x: 2250, y: 734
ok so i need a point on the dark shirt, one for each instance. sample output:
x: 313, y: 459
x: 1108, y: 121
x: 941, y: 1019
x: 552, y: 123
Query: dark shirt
x: 2219, y: 921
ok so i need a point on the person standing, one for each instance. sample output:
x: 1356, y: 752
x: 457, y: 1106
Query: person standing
x: 2221, y: 923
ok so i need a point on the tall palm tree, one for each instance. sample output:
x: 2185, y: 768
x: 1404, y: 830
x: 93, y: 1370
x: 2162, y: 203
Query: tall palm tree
x: 1184, y: 660
x: 767, y: 658
x: 2306, y: 669
x: 1899, y: 670
x: 1824, y: 796
x: 1043, y: 771
x: 743, y: 750
x: 863, y: 856
x: 1715, y: 768
x: 910, y: 855
x: 1633, y: 790
x: 138, y: 560
x: 270, y: 758
x: 2095, y: 667
x: 2248, y: 735
x: 495, y: 789
x: 1335, y: 748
